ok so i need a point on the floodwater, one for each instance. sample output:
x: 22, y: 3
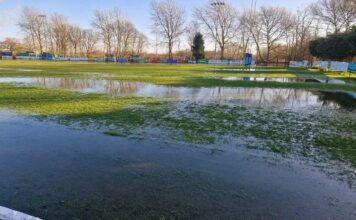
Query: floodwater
x: 56, y: 173
x: 266, y: 79
x: 287, y: 80
x: 260, y: 97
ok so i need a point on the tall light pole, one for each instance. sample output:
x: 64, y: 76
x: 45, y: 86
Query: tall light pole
x: 41, y: 18
x: 217, y: 4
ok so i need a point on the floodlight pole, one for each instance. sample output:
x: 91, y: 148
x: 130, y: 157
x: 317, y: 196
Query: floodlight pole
x: 217, y: 4
x: 42, y: 18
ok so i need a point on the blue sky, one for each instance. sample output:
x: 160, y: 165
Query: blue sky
x: 80, y: 11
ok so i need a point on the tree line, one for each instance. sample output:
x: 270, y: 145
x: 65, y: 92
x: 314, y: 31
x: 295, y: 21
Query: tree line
x: 54, y: 34
x: 271, y: 33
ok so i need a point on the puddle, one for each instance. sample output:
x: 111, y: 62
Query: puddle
x: 265, y: 79
x: 92, y: 176
x: 260, y: 97
x: 287, y: 80
x: 19, y: 70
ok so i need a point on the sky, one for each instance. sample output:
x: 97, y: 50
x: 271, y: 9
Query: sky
x: 138, y: 11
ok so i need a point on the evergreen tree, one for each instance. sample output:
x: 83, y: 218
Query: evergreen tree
x: 198, y: 47
x: 339, y: 46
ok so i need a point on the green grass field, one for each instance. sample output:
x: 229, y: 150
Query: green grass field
x: 177, y: 75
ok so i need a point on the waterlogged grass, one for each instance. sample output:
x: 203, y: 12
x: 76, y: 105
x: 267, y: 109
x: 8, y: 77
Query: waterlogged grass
x: 275, y: 130
x: 56, y: 102
x: 327, y: 138
x: 176, y: 75
x: 339, y: 139
x: 210, y: 82
x: 280, y: 131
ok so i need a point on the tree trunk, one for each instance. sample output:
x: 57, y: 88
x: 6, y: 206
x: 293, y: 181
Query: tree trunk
x: 170, y: 49
x: 222, y: 51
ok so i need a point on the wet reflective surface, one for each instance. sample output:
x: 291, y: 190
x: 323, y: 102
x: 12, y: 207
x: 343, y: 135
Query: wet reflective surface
x: 67, y: 174
x: 265, y: 79
x: 263, y: 97
x: 211, y: 153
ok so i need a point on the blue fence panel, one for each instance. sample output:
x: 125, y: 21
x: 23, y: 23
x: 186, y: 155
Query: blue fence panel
x: 47, y: 58
x: 99, y: 60
x: 122, y: 60
x: 352, y: 67
x: 169, y: 61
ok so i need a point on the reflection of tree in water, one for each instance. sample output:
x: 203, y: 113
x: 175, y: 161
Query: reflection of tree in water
x: 115, y: 88
x: 275, y: 97
x: 291, y: 98
x: 262, y: 97
x: 337, y: 98
x: 105, y: 86
x: 66, y: 83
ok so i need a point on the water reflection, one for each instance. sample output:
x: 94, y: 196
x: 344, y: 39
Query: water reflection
x: 91, y: 176
x: 265, y: 79
x: 287, y: 80
x: 262, y: 97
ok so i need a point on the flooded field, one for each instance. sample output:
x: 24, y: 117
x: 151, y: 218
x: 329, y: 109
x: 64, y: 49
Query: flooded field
x: 66, y: 174
x: 262, y: 97
x: 106, y: 149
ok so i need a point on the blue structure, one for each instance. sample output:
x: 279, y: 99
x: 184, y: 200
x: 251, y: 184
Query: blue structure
x: 99, y: 60
x: 170, y: 61
x: 109, y: 58
x: 122, y: 61
x: 248, y: 59
x: 47, y: 56
x: 352, y: 67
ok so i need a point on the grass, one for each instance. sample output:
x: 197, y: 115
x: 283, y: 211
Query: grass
x: 176, y: 75
x: 40, y: 101
x: 280, y: 131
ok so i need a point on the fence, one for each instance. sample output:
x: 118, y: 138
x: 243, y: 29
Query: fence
x: 339, y: 66
x: 303, y: 63
x: 27, y: 58
x: 229, y: 62
x: 335, y: 66
x: 71, y: 59
x: 352, y: 67
x: 6, y: 57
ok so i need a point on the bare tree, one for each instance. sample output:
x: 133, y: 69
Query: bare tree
x: 104, y: 24
x: 243, y: 39
x: 220, y: 22
x: 33, y: 23
x: 348, y: 10
x: 89, y: 40
x: 75, y: 38
x: 128, y: 36
x: 168, y: 19
x: 274, y: 24
x: 299, y: 35
x: 60, y: 33
x: 339, y: 14
x: 140, y: 43
x: 250, y: 20
x: 117, y: 31
x: 11, y: 44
